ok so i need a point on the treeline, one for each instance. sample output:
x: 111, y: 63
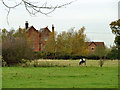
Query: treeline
x: 17, y: 48
x: 43, y: 55
x: 111, y: 55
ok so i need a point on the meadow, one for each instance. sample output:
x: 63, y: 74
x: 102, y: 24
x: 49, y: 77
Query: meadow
x: 62, y: 74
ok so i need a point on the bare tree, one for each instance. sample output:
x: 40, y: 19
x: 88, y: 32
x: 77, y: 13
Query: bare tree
x: 34, y: 7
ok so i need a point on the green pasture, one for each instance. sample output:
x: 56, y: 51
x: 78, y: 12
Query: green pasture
x: 65, y: 74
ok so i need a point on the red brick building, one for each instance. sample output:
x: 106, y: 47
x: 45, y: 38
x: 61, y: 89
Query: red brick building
x: 93, y: 45
x: 38, y: 37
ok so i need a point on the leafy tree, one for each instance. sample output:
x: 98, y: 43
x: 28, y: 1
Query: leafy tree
x: 64, y: 43
x: 4, y: 34
x: 78, y: 43
x: 72, y: 42
x: 100, y: 52
x: 50, y: 44
x: 15, y: 47
x: 115, y: 27
x: 113, y: 53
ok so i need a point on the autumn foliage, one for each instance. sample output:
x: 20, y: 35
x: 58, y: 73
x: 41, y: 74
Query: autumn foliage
x: 67, y: 43
x: 15, y: 47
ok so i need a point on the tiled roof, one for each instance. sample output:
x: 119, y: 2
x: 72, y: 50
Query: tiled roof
x: 100, y: 44
x: 30, y: 28
x: 42, y: 29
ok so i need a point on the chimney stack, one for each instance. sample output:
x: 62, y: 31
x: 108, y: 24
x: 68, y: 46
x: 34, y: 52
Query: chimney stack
x: 52, y: 28
x: 26, y: 25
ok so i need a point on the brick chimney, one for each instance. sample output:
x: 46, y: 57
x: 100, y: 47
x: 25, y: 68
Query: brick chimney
x: 52, y: 28
x: 26, y: 25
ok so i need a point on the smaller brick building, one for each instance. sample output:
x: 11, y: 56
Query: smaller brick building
x: 93, y: 45
x: 38, y: 37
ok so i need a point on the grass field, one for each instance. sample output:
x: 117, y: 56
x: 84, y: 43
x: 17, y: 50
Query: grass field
x: 90, y: 76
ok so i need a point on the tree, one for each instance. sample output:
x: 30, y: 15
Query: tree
x: 113, y: 53
x: 100, y: 52
x: 72, y: 42
x: 78, y: 43
x: 15, y: 47
x: 50, y: 44
x: 115, y: 27
x: 64, y: 43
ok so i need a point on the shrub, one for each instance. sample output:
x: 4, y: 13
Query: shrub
x: 93, y: 57
x: 14, y: 49
x: 74, y: 57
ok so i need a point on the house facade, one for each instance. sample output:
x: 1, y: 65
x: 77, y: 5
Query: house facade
x: 93, y: 45
x: 37, y: 37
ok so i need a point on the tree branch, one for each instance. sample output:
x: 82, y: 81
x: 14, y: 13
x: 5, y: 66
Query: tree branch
x: 33, y: 9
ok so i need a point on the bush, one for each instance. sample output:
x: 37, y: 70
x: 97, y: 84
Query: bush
x: 14, y: 49
x: 93, y: 57
x: 38, y: 55
x: 74, y: 57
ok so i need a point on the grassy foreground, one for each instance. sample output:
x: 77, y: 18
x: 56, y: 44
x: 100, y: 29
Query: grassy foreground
x: 90, y: 76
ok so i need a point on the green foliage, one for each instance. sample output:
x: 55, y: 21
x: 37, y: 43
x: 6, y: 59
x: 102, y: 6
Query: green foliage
x: 93, y: 57
x: 15, y: 47
x: 72, y: 42
x: 64, y: 43
x: 38, y: 55
x: 115, y: 27
x: 100, y: 52
x: 113, y: 53
x: 50, y: 44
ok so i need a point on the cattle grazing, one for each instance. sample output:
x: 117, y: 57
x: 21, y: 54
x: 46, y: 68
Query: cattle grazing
x: 82, y: 61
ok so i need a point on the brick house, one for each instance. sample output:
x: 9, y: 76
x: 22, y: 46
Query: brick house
x: 37, y: 37
x: 93, y: 45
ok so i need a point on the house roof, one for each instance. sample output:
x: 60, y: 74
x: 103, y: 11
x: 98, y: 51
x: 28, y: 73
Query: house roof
x: 30, y: 28
x: 99, y: 44
x: 43, y: 29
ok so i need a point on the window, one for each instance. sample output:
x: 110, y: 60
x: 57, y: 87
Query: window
x: 32, y: 39
x: 46, y: 32
x: 45, y: 38
x: 92, y: 48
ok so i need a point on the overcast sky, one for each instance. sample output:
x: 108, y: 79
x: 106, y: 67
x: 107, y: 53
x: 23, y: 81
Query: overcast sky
x: 94, y: 15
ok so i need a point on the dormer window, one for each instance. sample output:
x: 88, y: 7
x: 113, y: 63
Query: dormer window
x: 92, y: 48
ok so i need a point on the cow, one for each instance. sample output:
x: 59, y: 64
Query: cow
x: 82, y: 61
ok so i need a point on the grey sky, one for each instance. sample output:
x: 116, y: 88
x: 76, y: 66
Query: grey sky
x: 95, y: 15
